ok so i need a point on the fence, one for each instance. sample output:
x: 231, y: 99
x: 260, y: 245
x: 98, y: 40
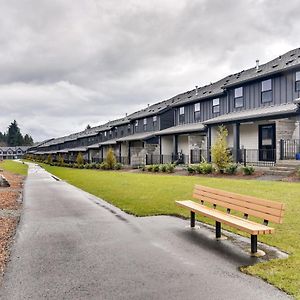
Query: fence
x: 289, y: 148
x: 257, y: 157
x: 198, y: 156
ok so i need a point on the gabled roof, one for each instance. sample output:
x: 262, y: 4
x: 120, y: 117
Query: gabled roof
x: 267, y: 111
x: 137, y: 137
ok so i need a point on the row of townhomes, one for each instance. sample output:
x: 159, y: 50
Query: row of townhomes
x: 258, y: 106
x: 13, y: 152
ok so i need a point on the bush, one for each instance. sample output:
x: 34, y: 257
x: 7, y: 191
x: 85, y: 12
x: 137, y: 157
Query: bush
x: 118, y: 166
x: 163, y: 168
x: 49, y: 159
x: 191, y: 169
x: 111, y: 159
x: 231, y: 169
x: 149, y: 168
x: 219, y: 152
x: 155, y: 168
x: 75, y: 166
x: 93, y: 166
x: 248, y: 170
x: 104, y: 166
x: 205, y: 168
x: 79, y: 159
x: 170, y: 168
x: 298, y: 172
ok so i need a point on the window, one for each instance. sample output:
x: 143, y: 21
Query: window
x: 238, y: 97
x: 154, y: 121
x: 216, y: 105
x: 181, y: 115
x: 136, y: 123
x: 105, y: 133
x: 297, y: 83
x: 266, y: 91
x: 116, y: 131
x: 129, y: 128
x: 197, y: 116
x: 145, y: 124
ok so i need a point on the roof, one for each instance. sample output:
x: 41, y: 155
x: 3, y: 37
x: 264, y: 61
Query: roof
x: 289, y: 60
x: 78, y: 149
x: 109, y: 142
x: 94, y: 146
x: 255, y: 113
x: 137, y: 137
x: 185, y: 128
x: 23, y: 148
x: 297, y: 101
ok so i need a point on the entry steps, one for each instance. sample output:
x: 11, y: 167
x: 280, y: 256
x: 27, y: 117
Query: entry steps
x: 284, y: 168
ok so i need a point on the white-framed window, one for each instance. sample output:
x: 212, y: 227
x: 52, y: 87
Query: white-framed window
x: 136, y: 123
x: 145, y: 124
x: 216, y: 105
x: 266, y: 91
x: 297, y: 83
x: 181, y: 115
x: 197, y: 115
x: 238, y: 97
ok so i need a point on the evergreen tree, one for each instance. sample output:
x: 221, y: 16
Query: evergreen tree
x: 14, y: 136
x: 28, y: 141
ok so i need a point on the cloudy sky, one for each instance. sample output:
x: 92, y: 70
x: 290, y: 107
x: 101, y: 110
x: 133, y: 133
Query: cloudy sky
x: 68, y: 63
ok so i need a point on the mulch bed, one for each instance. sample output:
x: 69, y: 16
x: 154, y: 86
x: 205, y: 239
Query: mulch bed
x: 10, y: 206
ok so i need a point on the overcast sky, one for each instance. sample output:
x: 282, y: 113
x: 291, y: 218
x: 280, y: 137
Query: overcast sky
x: 68, y: 63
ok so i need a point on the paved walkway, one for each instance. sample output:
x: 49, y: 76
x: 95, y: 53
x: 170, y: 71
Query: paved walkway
x: 71, y: 245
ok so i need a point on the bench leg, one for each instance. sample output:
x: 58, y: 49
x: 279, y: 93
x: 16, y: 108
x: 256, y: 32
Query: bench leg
x: 253, y: 243
x: 192, y: 219
x: 218, y: 230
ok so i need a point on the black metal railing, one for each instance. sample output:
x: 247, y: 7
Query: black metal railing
x: 198, y: 156
x: 257, y: 157
x: 289, y: 148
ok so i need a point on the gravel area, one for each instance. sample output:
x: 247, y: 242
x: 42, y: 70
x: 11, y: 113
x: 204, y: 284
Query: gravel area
x: 10, y: 209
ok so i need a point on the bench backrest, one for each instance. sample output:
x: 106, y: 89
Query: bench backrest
x: 261, y: 208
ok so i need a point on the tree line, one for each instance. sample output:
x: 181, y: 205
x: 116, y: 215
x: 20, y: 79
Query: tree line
x: 13, y: 137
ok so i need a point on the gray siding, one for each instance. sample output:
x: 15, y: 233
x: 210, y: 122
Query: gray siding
x: 166, y: 120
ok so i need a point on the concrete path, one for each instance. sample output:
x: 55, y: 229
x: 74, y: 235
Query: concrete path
x: 71, y: 245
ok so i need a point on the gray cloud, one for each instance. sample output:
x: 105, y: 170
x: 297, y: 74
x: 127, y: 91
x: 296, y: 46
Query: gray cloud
x: 64, y: 64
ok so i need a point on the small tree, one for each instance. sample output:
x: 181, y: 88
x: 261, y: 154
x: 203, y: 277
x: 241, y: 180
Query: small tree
x: 60, y: 160
x: 49, y: 159
x: 79, y: 159
x: 111, y: 159
x: 219, y: 152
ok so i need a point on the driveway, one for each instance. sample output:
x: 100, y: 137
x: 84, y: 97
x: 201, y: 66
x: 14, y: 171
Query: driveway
x: 71, y: 245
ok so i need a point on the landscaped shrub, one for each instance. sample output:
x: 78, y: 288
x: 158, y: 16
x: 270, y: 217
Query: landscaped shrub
x: 248, y: 170
x: 219, y: 152
x: 206, y: 168
x: 298, y: 172
x: 191, y: 169
x: 60, y: 160
x: 231, y: 169
x: 111, y: 159
x: 163, y: 168
x: 104, y: 166
x: 149, y: 168
x: 93, y: 166
x: 49, y: 159
x: 79, y: 159
x: 155, y: 168
x: 170, y: 168
x: 118, y: 166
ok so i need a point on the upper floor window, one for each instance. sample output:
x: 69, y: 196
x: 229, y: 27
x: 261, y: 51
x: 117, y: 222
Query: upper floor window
x: 105, y: 133
x: 266, y: 91
x: 197, y: 116
x: 145, y: 124
x: 136, y: 123
x: 297, y: 83
x: 238, y: 97
x: 116, y: 131
x: 216, y: 106
x: 128, y: 128
x: 154, y: 121
x: 181, y: 115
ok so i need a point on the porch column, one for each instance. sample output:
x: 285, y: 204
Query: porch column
x: 120, y: 153
x: 101, y: 153
x: 160, y: 150
x: 208, y: 143
x: 129, y: 153
x: 236, y: 142
x: 175, y: 145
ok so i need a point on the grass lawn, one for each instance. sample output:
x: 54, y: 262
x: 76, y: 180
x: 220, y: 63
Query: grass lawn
x: 14, y: 167
x: 146, y: 194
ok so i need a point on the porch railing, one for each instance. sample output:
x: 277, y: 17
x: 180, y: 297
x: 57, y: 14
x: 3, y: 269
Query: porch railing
x: 198, y: 156
x: 289, y: 148
x: 257, y: 157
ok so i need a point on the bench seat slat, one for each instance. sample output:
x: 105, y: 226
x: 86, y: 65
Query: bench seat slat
x: 226, y: 203
x: 267, y: 203
x: 231, y: 220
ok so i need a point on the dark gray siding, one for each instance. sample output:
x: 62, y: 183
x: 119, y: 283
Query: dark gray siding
x: 166, y: 120
x: 151, y: 126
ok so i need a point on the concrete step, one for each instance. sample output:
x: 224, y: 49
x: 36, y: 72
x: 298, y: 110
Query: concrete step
x: 283, y: 168
x: 279, y: 173
x: 288, y: 163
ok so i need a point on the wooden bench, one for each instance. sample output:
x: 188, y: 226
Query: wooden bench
x: 268, y: 211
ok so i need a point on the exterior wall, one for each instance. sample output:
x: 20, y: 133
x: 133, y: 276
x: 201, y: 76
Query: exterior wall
x: 166, y: 145
x: 166, y: 119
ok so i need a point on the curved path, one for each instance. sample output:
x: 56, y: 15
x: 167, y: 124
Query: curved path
x: 71, y: 245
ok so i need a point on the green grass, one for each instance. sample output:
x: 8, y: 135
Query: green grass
x: 145, y: 194
x: 14, y: 167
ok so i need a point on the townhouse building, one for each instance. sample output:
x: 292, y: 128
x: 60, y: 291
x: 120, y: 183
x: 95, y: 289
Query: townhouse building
x: 258, y: 106
x: 13, y: 152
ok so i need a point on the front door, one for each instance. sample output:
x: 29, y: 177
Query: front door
x: 267, y: 142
